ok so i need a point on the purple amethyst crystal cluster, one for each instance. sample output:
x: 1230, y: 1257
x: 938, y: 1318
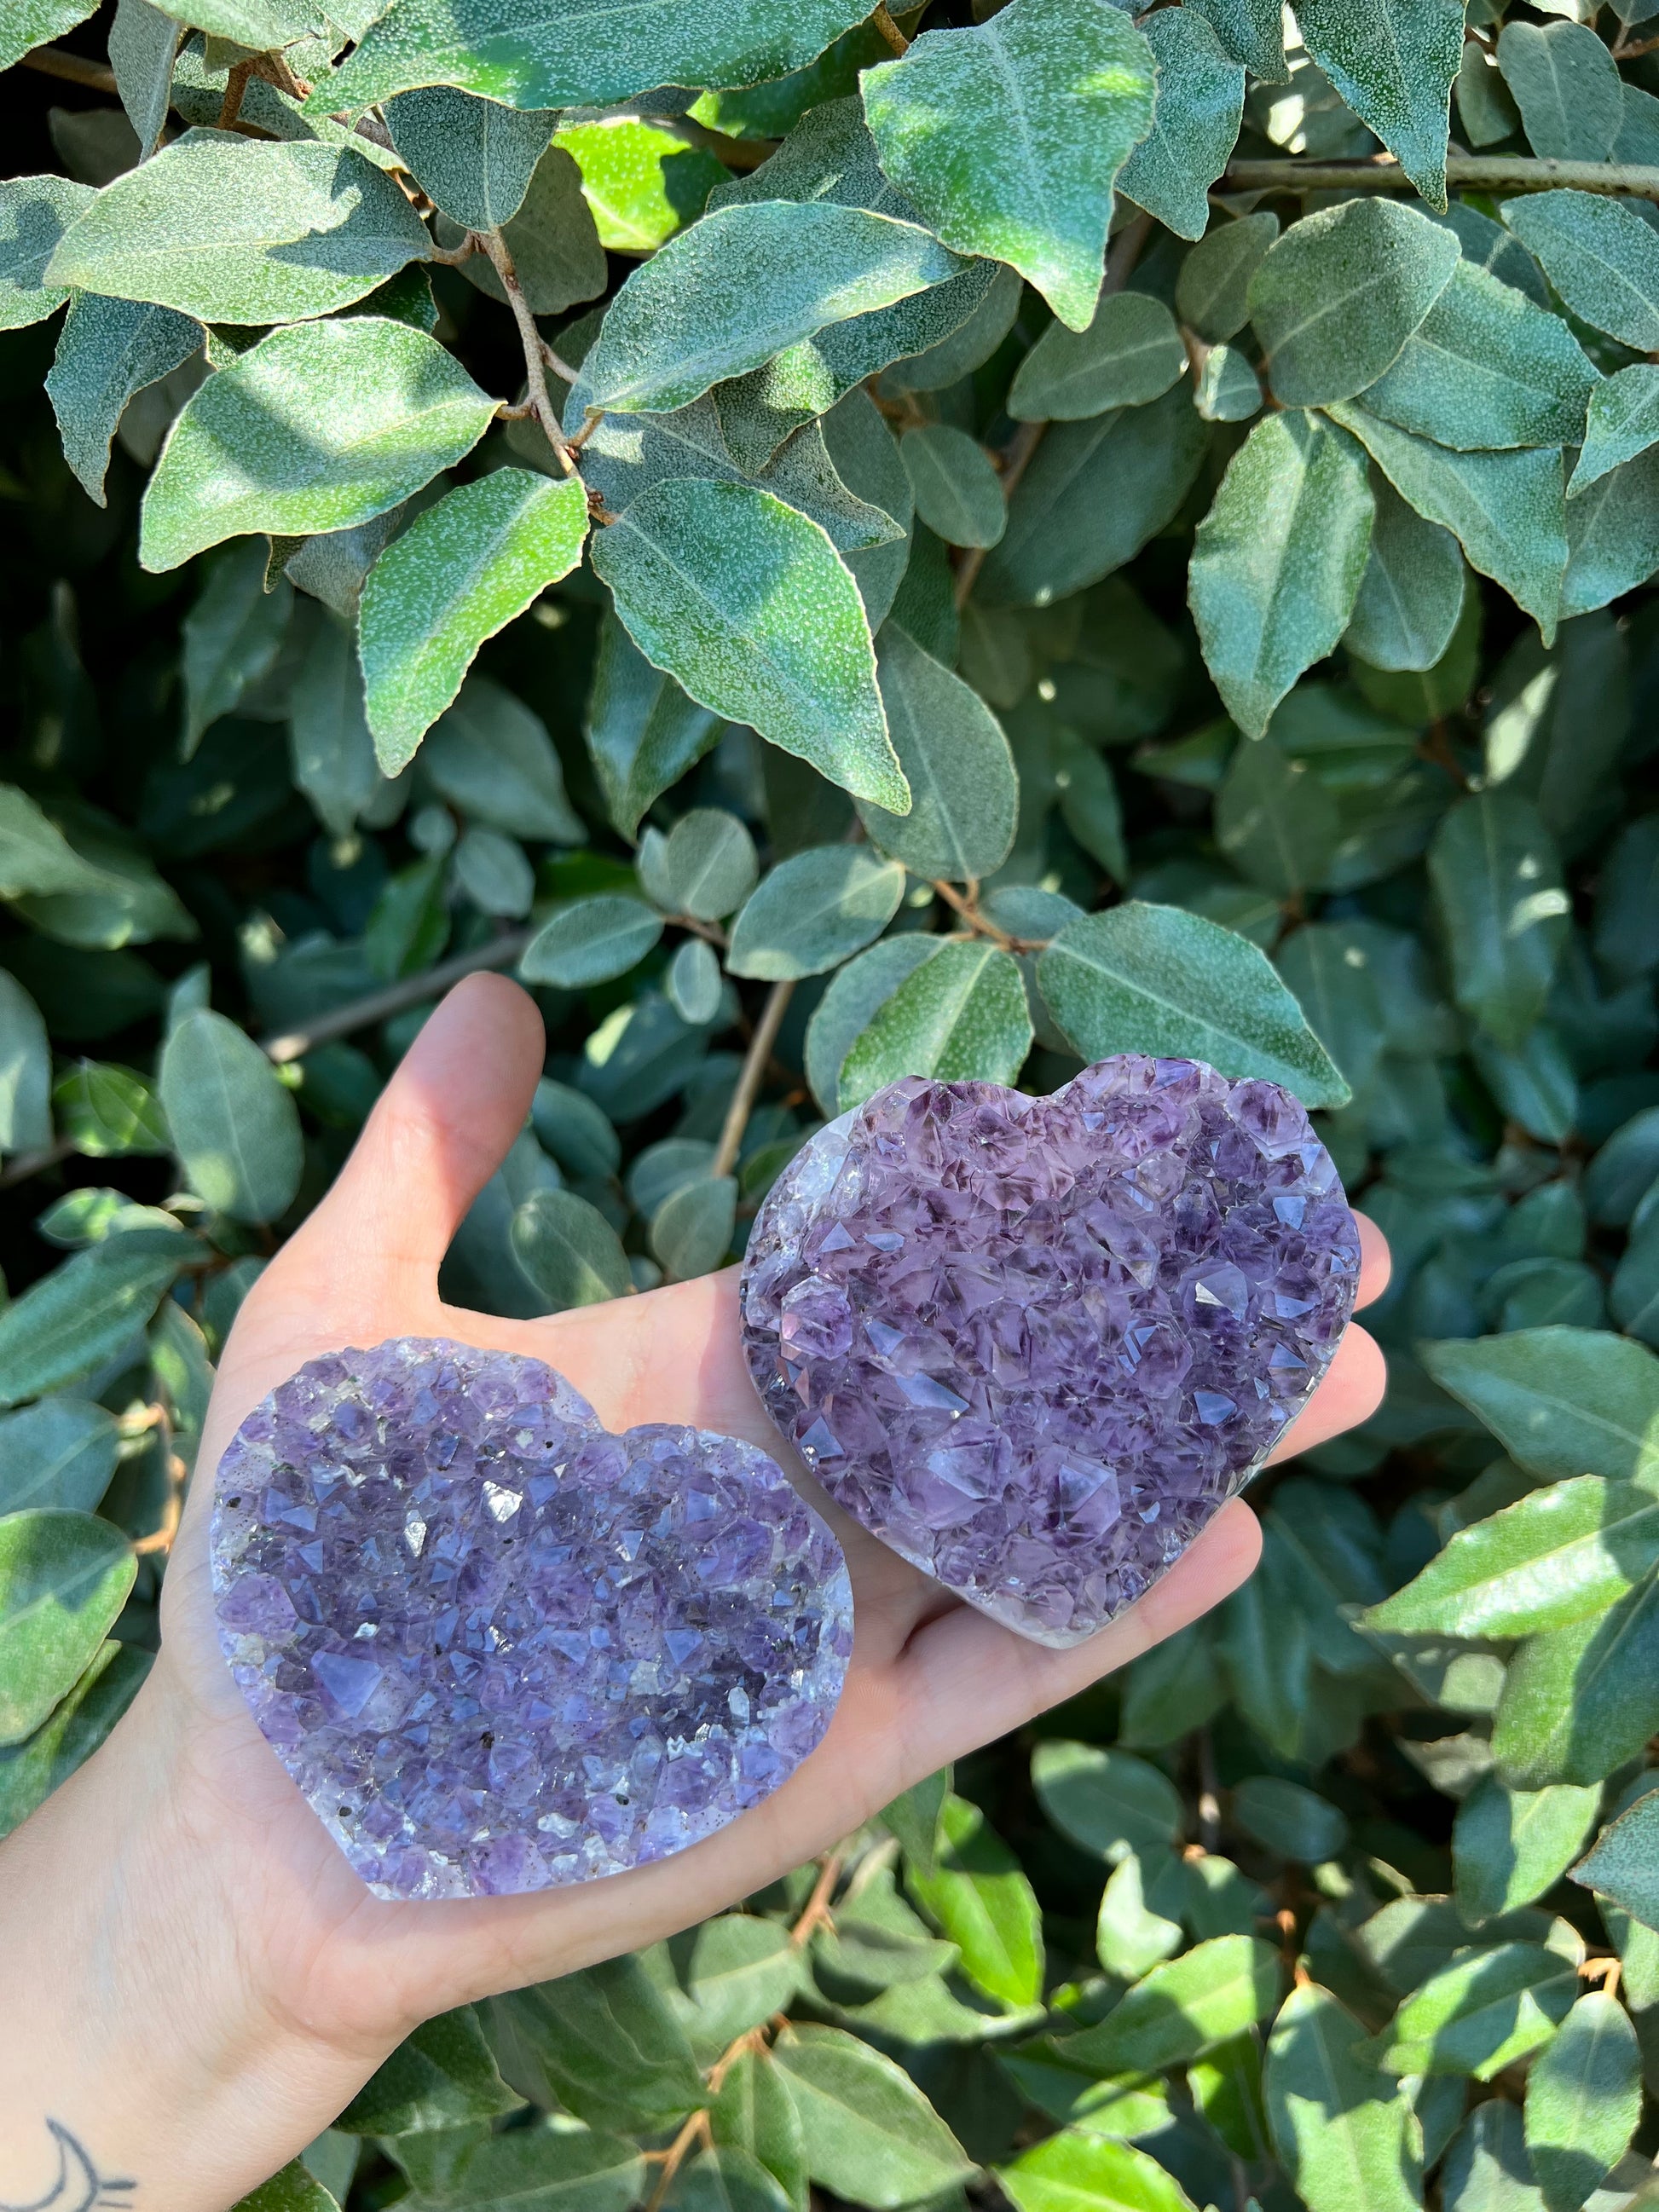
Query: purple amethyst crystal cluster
x: 1034, y: 1344
x: 499, y: 1649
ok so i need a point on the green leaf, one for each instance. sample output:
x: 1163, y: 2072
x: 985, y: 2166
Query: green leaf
x: 60, y: 1453
x: 1295, y: 1822
x: 63, y: 1577
x: 1108, y: 1803
x: 1331, y: 969
x: 1182, y: 2009
x: 961, y: 1017
x: 1143, y: 978
x: 691, y: 1229
x: 1226, y: 389
x: 754, y: 2111
x: 234, y: 1125
x: 913, y: 1820
x: 472, y: 158
x: 243, y: 230
x: 1599, y: 254
x: 143, y: 43
x: 232, y: 636
x: 1130, y: 353
x: 642, y: 732
x: 813, y: 911
x: 1412, y: 592
x: 738, y: 1971
x: 1129, y: 1939
x: 1096, y: 492
x: 1579, y: 1701
x: 1612, y: 536
x: 108, y: 349
x: 1623, y: 421
x: 332, y: 751
x: 34, y: 213
x: 441, y: 2075
x: 459, y: 573
x: 1509, y: 1846
x: 1336, y: 298
x: 1486, y: 2168
x: 958, y: 493
x: 1481, y: 2013
x: 642, y: 181
x: 977, y: 1896
x: 602, y: 2043
x: 1485, y: 367
x: 964, y: 796
x: 1624, y: 1864
x: 32, y: 22
x: 1560, y: 1400
x: 31, y: 1770
x: 293, y: 2189
x: 589, y: 940
x: 553, y: 240
x: 870, y: 2134
x: 1074, y: 2171
x: 1078, y: 79
x: 749, y: 607
x: 25, y: 1070
x: 107, y: 1111
x: 1393, y: 63
x: 85, y: 1310
x: 1496, y: 880
x: 573, y: 55
x: 1584, y: 2100
x: 1275, y: 819
x: 491, y: 758
x: 260, y: 25
x: 856, y: 992
x: 574, y: 1130
x: 1567, y: 87
x: 1344, y: 2131
x: 1195, y: 119
x: 569, y: 1250
x: 547, y: 2170
x: 1213, y: 288
x: 317, y: 427
x: 82, y: 882
x: 1278, y: 560
x: 743, y: 284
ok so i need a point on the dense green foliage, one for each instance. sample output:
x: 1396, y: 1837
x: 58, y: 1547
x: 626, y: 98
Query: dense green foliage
x: 938, y: 662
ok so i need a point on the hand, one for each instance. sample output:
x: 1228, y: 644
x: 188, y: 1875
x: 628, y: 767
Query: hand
x: 279, y: 1929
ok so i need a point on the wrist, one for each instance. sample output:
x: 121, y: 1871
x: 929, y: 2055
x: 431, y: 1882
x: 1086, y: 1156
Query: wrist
x: 139, y: 2017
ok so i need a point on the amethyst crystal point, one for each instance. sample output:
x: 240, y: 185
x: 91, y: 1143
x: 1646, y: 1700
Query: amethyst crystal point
x: 1034, y: 1344
x: 499, y: 1649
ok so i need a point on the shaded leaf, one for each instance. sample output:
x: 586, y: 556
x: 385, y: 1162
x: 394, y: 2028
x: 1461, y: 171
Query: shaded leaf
x: 1584, y: 2100
x: 870, y: 2134
x: 1128, y: 354
x: 1624, y: 1862
x: 978, y: 1896
x: 34, y: 213
x: 963, y: 1016
x: 1497, y: 879
x: 85, y: 1310
x: 108, y: 349
x: 1344, y: 2129
x: 473, y: 158
x: 569, y: 1250
x: 956, y: 488
x: 31, y: 1770
x: 1211, y: 1993
x: 1560, y: 1400
x: 811, y: 911
x: 1200, y: 106
x: 63, y: 1577
x: 964, y: 796
x: 1411, y: 592
x: 1579, y: 1701
x: 642, y: 731
x: 234, y: 1125
x: 1566, y: 86
x: 1509, y: 1846
x: 590, y: 940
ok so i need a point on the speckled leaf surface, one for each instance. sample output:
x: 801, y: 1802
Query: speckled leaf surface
x: 1412, y: 592
x: 553, y: 239
x: 964, y: 795
x: 1600, y: 256
x: 34, y: 213
x: 1621, y: 421
x: 1613, y: 536
x: 1200, y: 107
x: 961, y: 1016
x: 642, y: 181
x: 472, y: 157
x: 1393, y: 61
x: 1130, y: 353
x: 1567, y: 87
x: 1337, y: 296
x: 108, y: 349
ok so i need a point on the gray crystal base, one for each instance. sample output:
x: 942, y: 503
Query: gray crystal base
x: 499, y: 1649
x: 1036, y: 1344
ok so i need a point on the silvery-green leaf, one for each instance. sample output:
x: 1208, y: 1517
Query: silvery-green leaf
x: 1078, y: 77
x: 846, y: 1008
x: 864, y: 453
x: 142, y: 42
x: 1094, y: 494
x: 1275, y: 820
x: 472, y: 157
x: 460, y: 572
x: 642, y: 731
x: 1331, y: 967
x: 234, y: 1125
x: 643, y: 180
x: 491, y: 757
x: 1560, y: 1400
x: 1277, y: 561
x: 970, y: 344
x: 870, y: 2135
x: 32, y: 22
x: 1130, y: 1938
x: 961, y: 1016
x: 1624, y: 1864
x: 1485, y: 108
x: 1217, y: 1990
x: 957, y: 491
x: 691, y: 1229
x: 1567, y: 87
x: 1295, y: 1822
x: 108, y: 349
x: 813, y: 911
x: 743, y: 284
x: 1129, y: 354
x: 243, y: 230
x: 554, y: 245
x: 1485, y: 367
x: 1483, y: 2011
x: 1509, y: 1846
x: 232, y: 635
x: 1143, y: 978
x: 1486, y: 2168
x: 569, y: 1250
x: 63, y: 1577
x: 1200, y: 106
x: 1497, y: 878
x: 1253, y: 31
x: 1412, y: 592
x: 708, y: 864
x: 494, y: 872
x: 589, y: 940
x: 574, y: 1130
x: 34, y: 213
x: 571, y: 53
x: 319, y: 427
x: 334, y: 753
x: 693, y: 982
x: 1488, y: 245
x: 1599, y: 254
x: 260, y: 24
x: 1584, y: 2100
x: 1580, y: 1701
x: 964, y: 795
x: 84, y: 1312
x: 1534, y: 1085
x: 1623, y: 422
x: 1345, y: 2132
x: 1507, y: 510
x: 1394, y: 61
x: 1213, y: 287
x: 749, y: 606
x: 1336, y: 297
x: 25, y: 1070
x: 94, y: 144
x: 1613, y: 536
x: 60, y: 1453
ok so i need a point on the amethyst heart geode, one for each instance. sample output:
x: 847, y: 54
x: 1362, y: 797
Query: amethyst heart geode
x: 1035, y: 1344
x: 499, y: 1649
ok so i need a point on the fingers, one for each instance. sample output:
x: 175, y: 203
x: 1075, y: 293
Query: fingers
x: 441, y: 1129
x: 1351, y: 1393
x: 1375, y: 1264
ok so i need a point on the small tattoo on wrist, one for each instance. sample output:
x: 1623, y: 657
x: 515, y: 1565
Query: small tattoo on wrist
x: 79, y: 2187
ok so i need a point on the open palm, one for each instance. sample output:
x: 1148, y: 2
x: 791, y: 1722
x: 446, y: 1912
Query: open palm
x: 930, y: 1678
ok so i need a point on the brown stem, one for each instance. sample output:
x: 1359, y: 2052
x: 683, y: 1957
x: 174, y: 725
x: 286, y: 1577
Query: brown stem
x: 1477, y: 171
x: 413, y: 991
x: 815, y: 1911
x: 967, y: 908
x: 694, y: 2131
x: 73, y: 69
x: 748, y: 1079
x: 274, y: 69
x: 535, y: 369
x: 235, y: 89
x: 32, y: 1164
x: 160, y: 1538
x: 889, y: 30
x: 450, y: 257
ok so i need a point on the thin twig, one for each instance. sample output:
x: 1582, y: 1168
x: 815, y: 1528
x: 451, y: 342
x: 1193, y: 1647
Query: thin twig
x: 694, y: 2131
x: 413, y: 991
x: 230, y: 107
x: 535, y: 368
x: 1476, y: 172
x: 160, y: 1538
x: 816, y: 1913
x: 73, y: 69
x: 889, y: 30
x: 450, y: 257
x: 748, y: 1079
x: 967, y: 905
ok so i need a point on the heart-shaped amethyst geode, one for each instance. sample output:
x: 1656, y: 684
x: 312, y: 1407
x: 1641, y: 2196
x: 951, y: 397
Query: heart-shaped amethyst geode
x: 1035, y: 1344
x: 499, y: 1649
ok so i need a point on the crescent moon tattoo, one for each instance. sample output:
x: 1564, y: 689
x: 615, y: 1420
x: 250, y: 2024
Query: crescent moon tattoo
x: 79, y: 2187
